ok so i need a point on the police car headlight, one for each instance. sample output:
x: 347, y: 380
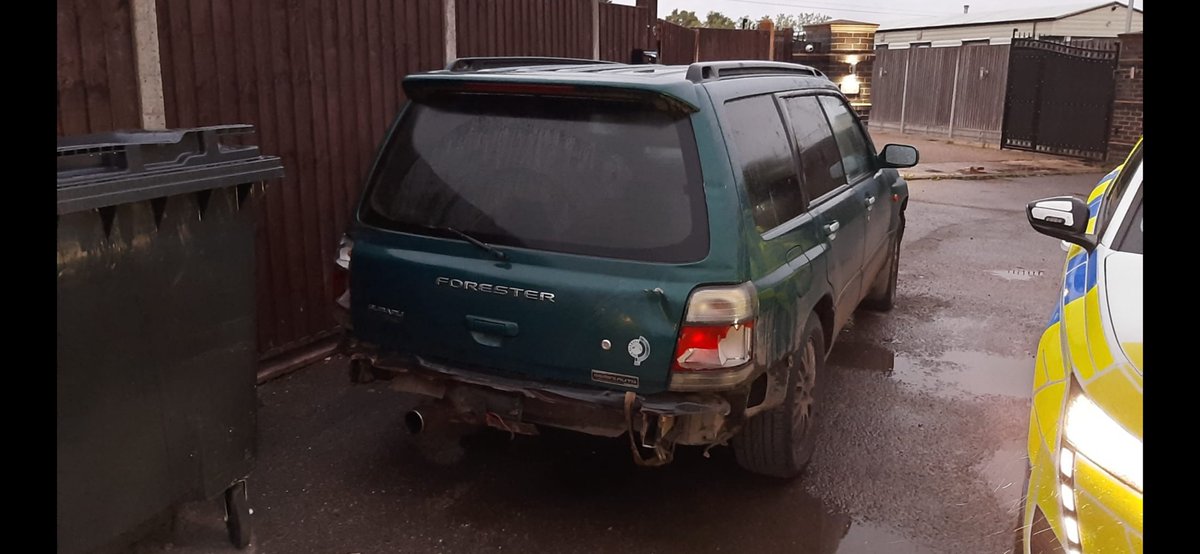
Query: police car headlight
x: 1095, y: 435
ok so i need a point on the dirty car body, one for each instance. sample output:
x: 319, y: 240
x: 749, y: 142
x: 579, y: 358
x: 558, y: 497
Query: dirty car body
x: 607, y: 248
x: 1085, y: 428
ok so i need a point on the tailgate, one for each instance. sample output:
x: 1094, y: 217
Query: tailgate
x: 599, y: 323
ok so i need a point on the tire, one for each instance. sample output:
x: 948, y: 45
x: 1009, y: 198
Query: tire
x: 780, y: 442
x: 882, y: 297
x: 237, y: 515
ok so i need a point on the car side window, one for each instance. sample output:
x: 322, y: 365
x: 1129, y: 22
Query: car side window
x: 820, y: 160
x: 1130, y: 237
x: 857, y: 157
x: 1112, y: 197
x: 762, y: 152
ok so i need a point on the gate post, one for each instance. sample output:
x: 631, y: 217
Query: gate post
x: 449, y: 30
x: 954, y: 89
x: 595, y: 29
x: 148, y: 65
x: 904, y: 91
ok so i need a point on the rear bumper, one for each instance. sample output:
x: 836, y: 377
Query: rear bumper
x: 693, y: 418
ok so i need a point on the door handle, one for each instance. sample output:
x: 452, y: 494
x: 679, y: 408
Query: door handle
x: 832, y: 228
x: 795, y: 252
x: 870, y: 202
x: 492, y: 326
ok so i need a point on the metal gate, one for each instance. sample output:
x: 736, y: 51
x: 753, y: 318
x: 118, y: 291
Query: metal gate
x: 1059, y: 98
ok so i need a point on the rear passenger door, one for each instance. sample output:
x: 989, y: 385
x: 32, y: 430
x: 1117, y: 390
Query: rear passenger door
x: 789, y: 261
x: 837, y: 206
x: 858, y: 160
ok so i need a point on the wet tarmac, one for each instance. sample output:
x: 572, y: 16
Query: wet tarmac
x: 922, y: 446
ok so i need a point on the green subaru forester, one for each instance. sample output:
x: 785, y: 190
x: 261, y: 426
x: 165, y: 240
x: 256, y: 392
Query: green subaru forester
x: 661, y: 252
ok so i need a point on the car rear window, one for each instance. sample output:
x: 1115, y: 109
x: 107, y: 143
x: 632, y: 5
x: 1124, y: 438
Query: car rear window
x: 596, y: 177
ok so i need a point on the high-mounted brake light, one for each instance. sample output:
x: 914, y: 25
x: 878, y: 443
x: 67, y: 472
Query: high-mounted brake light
x: 718, y: 329
x: 517, y: 88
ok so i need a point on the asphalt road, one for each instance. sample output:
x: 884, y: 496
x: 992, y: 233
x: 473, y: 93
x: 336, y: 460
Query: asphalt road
x: 922, y: 448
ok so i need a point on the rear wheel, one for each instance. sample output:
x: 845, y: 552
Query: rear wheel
x: 780, y: 442
x: 882, y: 297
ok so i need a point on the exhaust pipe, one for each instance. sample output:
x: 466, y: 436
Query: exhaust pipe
x: 414, y: 421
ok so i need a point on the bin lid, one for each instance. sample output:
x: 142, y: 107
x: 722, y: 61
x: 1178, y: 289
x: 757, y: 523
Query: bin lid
x: 106, y: 169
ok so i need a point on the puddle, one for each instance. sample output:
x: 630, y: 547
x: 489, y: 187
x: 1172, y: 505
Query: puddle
x: 955, y: 372
x: 865, y: 538
x: 863, y: 356
x: 984, y: 373
x: 1004, y: 472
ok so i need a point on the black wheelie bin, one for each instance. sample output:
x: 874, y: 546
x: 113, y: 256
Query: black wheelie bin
x: 156, y: 345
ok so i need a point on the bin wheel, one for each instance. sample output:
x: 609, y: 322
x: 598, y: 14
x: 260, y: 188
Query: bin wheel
x: 360, y: 372
x: 237, y: 515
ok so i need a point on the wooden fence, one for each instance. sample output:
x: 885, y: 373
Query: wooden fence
x: 956, y: 91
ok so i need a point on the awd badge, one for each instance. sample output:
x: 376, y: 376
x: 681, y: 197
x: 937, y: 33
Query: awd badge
x: 639, y: 349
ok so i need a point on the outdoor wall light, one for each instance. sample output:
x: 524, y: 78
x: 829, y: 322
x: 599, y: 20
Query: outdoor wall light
x: 849, y: 85
x: 852, y: 61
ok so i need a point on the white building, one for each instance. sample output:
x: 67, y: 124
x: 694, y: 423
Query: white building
x: 1061, y: 21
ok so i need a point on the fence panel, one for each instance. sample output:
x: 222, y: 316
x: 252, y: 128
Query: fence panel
x: 734, y: 44
x: 320, y: 81
x: 623, y: 29
x: 888, y: 82
x: 524, y: 28
x: 930, y: 89
x: 979, y: 99
x: 97, y: 81
x: 677, y: 44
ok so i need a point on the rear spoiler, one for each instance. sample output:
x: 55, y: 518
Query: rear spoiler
x: 425, y: 89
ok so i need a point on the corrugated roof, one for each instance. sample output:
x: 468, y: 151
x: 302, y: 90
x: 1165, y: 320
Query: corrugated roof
x: 1034, y: 13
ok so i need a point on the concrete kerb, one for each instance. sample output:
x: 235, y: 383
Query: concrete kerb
x: 927, y: 176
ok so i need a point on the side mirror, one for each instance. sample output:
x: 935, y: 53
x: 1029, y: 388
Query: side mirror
x: 1061, y: 217
x: 899, y: 155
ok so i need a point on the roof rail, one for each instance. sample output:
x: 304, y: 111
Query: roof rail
x: 700, y: 72
x: 476, y: 64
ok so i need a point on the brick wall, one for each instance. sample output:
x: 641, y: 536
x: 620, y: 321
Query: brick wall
x: 854, y: 42
x: 1127, y: 102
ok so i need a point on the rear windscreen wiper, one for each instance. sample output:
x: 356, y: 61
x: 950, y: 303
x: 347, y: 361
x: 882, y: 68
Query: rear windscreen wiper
x: 491, y: 249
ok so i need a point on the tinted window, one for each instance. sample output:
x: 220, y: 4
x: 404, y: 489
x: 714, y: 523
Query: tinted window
x: 1130, y: 237
x: 568, y: 175
x: 1112, y: 196
x: 761, y: 150
x: 819, y: 156
x: 857, y: 157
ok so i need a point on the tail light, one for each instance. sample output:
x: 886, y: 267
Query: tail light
x: 718, y: 329
x: 341, y: 272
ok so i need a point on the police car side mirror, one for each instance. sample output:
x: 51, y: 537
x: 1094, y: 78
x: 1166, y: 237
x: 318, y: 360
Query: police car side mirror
x: 1061, y: 217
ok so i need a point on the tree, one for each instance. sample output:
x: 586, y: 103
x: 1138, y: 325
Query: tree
x: 718, y: 20
x: 798, y: 21
x: 685, y: 18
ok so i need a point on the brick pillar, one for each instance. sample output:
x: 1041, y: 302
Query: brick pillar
x: 841, y: 42
x: 1127, y: 102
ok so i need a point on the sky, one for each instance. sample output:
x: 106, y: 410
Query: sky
x: 875, y: 11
